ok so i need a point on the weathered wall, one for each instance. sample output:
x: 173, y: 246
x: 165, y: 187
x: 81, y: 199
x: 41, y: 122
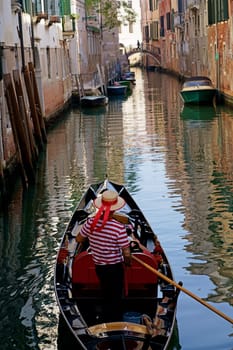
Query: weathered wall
x: 221, y: 58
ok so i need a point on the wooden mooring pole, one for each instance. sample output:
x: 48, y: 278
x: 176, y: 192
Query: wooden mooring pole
x: 79, y: 84
x: 2, y: 181
x: 37, y: 102
x: 20, y: 138
x: 25, y: 116
x: 34, y: 114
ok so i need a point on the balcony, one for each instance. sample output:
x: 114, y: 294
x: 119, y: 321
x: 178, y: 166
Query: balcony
x: 68, y: 26
x: 193, y: 4
x: 178, y: 20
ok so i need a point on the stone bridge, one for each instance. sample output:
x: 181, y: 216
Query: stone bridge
x: 147, y: 49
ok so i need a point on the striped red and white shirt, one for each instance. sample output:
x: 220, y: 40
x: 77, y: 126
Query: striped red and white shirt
x: 107, y: 243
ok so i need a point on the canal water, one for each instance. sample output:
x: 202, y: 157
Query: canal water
x: 178, y: 165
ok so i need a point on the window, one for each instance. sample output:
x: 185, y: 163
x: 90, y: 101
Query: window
x: 168, y: 19
x: 162, y: 32
x: 37, y: 7
x: 172, y: 20
x: 154, y: 30
x: 56, y: 61
x: 65, y: 7
x: 26, y: 5
x: 51, y: 7
x: 150, y: 5
x: 217, y: 11
x: 146, y: 31
x: 48, y: 62
x: 151, y: 31
x: 180, y: 6
x: 130, y: 27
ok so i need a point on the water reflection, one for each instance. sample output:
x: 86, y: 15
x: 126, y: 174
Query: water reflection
x: 208, y: 201
x: 198, y: 112
x: 101, y: 110
x: 180, y: 170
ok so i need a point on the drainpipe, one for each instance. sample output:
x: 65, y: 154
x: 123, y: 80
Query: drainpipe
x: 20, y: 33
x: 1, y: 57
x: 32, y: 36
x: 217, y: 55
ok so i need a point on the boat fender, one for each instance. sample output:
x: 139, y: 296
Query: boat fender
x: 133, y: 317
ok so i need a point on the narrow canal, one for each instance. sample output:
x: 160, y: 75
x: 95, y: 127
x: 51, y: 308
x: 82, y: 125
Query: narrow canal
x: 178, y: 165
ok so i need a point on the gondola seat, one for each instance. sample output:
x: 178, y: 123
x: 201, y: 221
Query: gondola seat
x: 83, y: 271
x: 139, y: 278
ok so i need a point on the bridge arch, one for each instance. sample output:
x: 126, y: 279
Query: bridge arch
x: 150, y: 50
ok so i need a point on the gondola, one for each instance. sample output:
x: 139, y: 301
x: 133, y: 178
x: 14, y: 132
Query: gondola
x: 149, y: 301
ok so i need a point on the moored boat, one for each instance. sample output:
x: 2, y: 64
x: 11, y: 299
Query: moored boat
x: 116, y: 89
x: 94, y: 101
x: 149, y: 302
x: 129, y: 76
x: 127, y: 83
x: 198, y: 90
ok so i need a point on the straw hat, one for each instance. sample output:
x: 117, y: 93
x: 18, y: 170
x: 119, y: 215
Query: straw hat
x: 109, y: 199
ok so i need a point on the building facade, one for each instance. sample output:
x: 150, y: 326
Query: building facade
x: 130, y: 35
x: 61, y: 40
x: 194, y: 38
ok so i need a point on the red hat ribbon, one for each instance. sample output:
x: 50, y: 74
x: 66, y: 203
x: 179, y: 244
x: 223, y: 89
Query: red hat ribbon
x: 105, y: 208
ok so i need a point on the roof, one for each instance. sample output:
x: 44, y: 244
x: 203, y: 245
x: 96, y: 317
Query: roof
x: 198, y: 77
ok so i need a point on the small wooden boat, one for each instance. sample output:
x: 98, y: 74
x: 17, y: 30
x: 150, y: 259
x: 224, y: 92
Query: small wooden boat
x: 149, y: 302
x: 116, y: 89
x: 129, y: 76
x: 126, y: 83
x: 94, y: 101
x: 198, y: 90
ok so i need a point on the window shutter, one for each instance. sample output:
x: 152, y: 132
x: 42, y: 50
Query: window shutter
x: 65, y: 7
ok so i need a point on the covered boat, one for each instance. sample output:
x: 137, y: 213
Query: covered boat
x: 94, y: 101
x: 126, y: 83
x: 129, y: 76
x: 116, y: 89
x: 198, y: 90
x: 149, y: 301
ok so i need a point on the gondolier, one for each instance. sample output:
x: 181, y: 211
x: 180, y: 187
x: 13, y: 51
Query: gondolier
x: 109, y: 244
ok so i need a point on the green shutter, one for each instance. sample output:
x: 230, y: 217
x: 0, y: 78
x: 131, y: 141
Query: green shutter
x: 65, y: 7
x: 225, y: 10
x: 211, y: 11
x: 217, y: 11
x: 26, y: 5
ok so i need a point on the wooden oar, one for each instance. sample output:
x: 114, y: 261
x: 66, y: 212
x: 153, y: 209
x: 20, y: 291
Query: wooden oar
x: 183, y: 289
